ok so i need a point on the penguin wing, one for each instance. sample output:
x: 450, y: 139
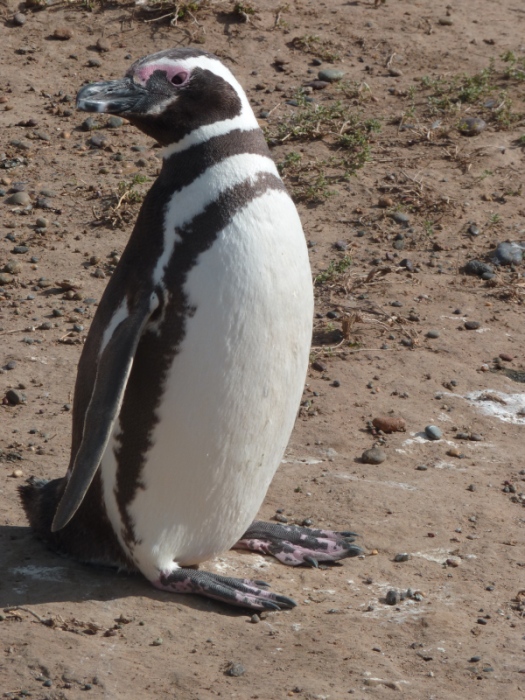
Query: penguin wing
x: 113, y: 369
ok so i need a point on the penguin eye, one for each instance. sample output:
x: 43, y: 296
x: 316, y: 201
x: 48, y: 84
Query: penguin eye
x: 179, y: 78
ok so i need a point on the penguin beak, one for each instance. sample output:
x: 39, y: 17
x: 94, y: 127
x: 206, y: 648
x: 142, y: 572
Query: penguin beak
x: 112, y: 97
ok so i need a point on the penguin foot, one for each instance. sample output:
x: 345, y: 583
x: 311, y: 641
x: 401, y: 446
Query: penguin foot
x: 294, y: 545
x: 235, y: 591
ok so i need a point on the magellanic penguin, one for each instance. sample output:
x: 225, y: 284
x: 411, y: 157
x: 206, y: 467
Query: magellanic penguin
x: 192, y: 372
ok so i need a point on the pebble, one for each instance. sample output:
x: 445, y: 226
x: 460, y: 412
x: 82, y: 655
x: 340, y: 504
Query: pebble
x: 98, y: 141
x: 157, y: 642
x: 94, y: 63
x: 90, y: 124
x: 63, y: 33
x: 319, y: 366
x: 340, y: 245
x: 392, y: 597
x: 408, y: 264
x: 375, y: 455
x: 401, y: 218
x: 13, y: 267
x: 235, y: 669
x: 505, y: 357
x: 471, y: 126
x: 471, y: 487
x: 42, y: 223
x: 15, y: 397
x: 20, y: 198
x: 389, y: 424
x: 6, y: 278
x: 476, y: 267
x: 318, y: 84
x: 433, y: 432
x: 474, y: 659
x: 432, y: 334
x: 11, y: 364
x: 508, y: 254
x: 404, y: 556
x: 472, y: 325
x: 20, y: 249
x: 19, y: 19
x: 473, y: 230
x: 454, y: 561
x: 331, y: 75
x: 481, y: 621
x: 103, y: 45
x: 114, y: 122
x: 454, y: 452
x: 422, y: 468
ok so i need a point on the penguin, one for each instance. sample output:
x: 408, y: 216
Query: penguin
x: 192, y: 372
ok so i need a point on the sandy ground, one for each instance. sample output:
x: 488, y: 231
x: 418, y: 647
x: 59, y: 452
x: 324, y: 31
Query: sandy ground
x: 67, y: 629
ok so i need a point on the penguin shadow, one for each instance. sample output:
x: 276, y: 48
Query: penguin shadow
x: 34, y: 575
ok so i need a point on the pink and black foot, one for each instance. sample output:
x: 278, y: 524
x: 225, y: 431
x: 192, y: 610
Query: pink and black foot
x: 294, y: 545
x: 235, y: 591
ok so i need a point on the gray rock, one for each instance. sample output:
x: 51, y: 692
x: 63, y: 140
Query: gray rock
x: 375, y: 455
x: 508, y: 254
x: 433, y: 432
x: 236, y: 670
x: 114, y: 122
x: 19, y: 19
x: 392, y: 597
x: 476, y: 267
x: 89, y: 124
x: 331, y: 75
x: 433, y: 334
x: 20, y: 198
x: 472, y: 325
x: 471, y: 126
x: 400, y: 218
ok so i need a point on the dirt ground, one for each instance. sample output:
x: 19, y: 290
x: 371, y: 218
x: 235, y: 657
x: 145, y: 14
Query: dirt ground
x: 388, y: 248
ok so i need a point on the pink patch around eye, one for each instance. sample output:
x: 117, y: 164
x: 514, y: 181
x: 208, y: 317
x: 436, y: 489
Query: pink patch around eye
x: 175, y: 74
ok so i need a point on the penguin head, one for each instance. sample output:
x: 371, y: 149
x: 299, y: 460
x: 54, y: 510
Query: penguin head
x: 170, y: 94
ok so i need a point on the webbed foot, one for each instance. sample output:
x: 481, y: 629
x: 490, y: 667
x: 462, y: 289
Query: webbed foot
x: 294, y: 545
x: 235, y: 591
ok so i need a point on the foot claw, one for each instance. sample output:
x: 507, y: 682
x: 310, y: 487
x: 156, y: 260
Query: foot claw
x: 294, y: 545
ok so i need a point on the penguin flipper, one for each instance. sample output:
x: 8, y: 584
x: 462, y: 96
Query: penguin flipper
x: 241, y: 592
x: 294, y: 545
x: 113, y: 369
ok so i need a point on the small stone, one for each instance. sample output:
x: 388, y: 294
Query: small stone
x: 98, y: 141
x: 446, y: 21
x: 10, y: 365
x: 318, y: 84
x: 6, y: 278
x: 385, y: 202
x: 453, y: 561
x: 103, y: 45
x: 508, y: 254
x: 454, y: 452
x: 44, y: 282
x: 481, y: 621
x: 13, y: 267
x: 46, y: 326
x: 62, y: 33
x: 19, y: 19
x: 392, y: 597
x: 400, y: 218
x: 20, y: 249
x: 341, y: 245
x: 255, y: 618
x: 474, y: 659
x: 473, y: 230
x: 236, y: 670
x: 114, y: 122
x: 433, y: 432
x: 19, y: 198
x: 375, y: 455
x: 94, y: 63
x: 472, y: 325
x: 505, y: 357
x: 471, y: 126
x: 42, y: 223
x: 17, y: 474
x: 471, y: 487
x: 476, y: 267
x: 475, y: 437
x: 15, y: 397
x: 422, y: 468
x: 319, y: 366
x: 157, y: 642
x: 331, y: 75
x: 90, y: 124
x: 432, y: 334
x: 389, y: 424
x: 402, y: 557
